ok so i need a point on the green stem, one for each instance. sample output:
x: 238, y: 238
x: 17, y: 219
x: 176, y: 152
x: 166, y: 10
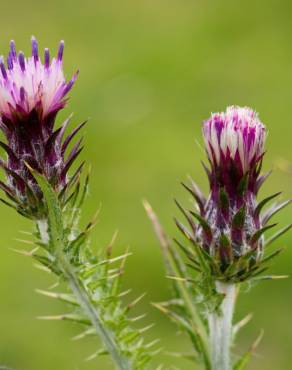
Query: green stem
x: 220, y: 327
x: 84, y: 300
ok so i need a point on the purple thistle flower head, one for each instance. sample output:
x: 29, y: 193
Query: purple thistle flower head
x: 31, y: 94
x: 234, y: 143
x: 28, y: 85
x: 228, y: 225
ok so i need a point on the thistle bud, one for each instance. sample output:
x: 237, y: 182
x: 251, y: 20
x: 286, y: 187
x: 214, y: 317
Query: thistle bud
x: 234, y: 143
x: 31, y: 95
x: 230, y: 225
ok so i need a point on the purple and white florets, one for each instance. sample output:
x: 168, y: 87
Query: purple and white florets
x: 31, y: 95
x: 27, y: 84
x: 236, y: 134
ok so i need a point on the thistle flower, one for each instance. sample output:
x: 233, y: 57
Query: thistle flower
x: 231, y: 225
x: 38, y: 184
x: 234, y: 143
x: 31, y: 94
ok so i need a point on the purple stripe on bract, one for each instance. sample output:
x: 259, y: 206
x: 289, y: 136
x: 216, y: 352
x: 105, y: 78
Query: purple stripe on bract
x: 13, y: 50
x: 219, y: 127
x: 251, y: 138
x: 3, y: 70
x: 61, y: 50
x: 22, y: 94
x: 47, y: 58
x: 21, y: 61
x: 9, y: 62
x: 34, y: 49
x: 69, y: 85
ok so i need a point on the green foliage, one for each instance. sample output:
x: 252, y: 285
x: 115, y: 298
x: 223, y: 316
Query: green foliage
x: 187, y: 306
x: 224, y: 265
x: 194, y: 293
x: 244, y: 359
x: 94, y: 279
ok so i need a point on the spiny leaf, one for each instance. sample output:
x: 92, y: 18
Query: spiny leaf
x: 100, y: 352
x: 242, y: 362
x: 271, y: 256
x: 133, y: 303
x: 255, y: 273
x: 156, y: 225
x: 278, y: 234
x: 68, y: 298
x: 242, y: 186
x: 54, y: 212
x: 197, y: 190
x: 50, y: 264
x: 239, y: 218
x: 194, y: 335
x: 115, y: 259
x: 173, y: 268
x: 241, y: 324
x: 208, y: 172
x: 188, y: 252
x: 84, y: 334
x: 270, y: 277
x: 183, y: 229
x: 187, y: 216
x: 256, y: 236
x: 138, y: 318
x: 172, y: 260
x: 146, y: 328
x: 196, y: 193
x: 224, y: 199
x: 225, y: 246
x: 264, y: 202
x: 70, y: 136
x: 204, y: 224
x: 262, y: 179
x: 67, y: 317
x: 187, y: 356
x: 73, y: 196
x: 273, y: 210
x: 71, y: 158
x: 8, y: 204
x: 85, y: 188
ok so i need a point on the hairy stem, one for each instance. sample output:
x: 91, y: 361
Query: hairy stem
x: 43, y: 229
x: 84, y: 300
x: 220, y: 327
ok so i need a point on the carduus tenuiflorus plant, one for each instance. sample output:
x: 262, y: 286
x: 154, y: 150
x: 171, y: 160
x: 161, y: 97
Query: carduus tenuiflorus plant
x: 229, y: 224
x: 32, y: 92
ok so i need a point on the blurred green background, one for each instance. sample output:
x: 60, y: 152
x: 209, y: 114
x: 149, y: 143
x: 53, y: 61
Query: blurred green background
x: 150, y: 72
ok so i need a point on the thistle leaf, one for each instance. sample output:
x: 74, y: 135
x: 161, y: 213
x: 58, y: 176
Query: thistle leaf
x: 273, y: 210
x: 239, y: 218
x: 187, y: 216
x: 67, y: 298
x: 264, y: 202
x: 224, y: 199
x: 242, y: 186
x: 197, y: 194
x: 256, y: 236
x: 204, y: 224
x: 278, y: 234
x: 242, y: 362
x: 238, y: 326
